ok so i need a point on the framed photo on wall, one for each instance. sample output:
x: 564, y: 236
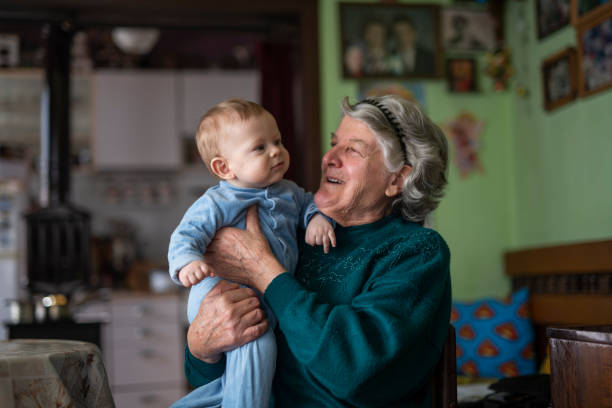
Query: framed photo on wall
x: 552, y: 15
x: 560, y: 79
x: 461, y: 74
x: 390, y: 40
x: 582, y: 10
x: 468, y: 29
x: 594, y: 56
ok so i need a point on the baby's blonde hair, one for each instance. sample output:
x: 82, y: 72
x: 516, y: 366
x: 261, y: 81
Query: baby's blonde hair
x: 213, y: 125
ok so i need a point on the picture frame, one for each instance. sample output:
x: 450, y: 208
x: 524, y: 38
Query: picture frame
x: 560, y: 78
x: 551, y: 16
x: 381, y: 40
x: 468, y: 29
x: 461, y: 74
x: 594, y: 40
x: 584, y: 10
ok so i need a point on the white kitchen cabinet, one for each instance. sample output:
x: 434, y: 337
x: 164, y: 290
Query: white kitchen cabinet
x: 201, y: 90
x: 147, y: 343
x: 140, y: 117
x: 143, y: 343
x: 151, y: 398
x: 135, y: 120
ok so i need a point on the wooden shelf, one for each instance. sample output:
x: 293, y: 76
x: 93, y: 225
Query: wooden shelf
x: 582, y: 258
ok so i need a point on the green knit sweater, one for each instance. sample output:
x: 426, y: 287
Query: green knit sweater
x: 361, y: 326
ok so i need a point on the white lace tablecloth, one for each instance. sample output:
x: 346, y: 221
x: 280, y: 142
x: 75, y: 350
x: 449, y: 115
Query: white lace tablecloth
x: 52, y: 373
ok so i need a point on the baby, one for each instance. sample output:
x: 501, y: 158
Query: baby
x: 240, y: 143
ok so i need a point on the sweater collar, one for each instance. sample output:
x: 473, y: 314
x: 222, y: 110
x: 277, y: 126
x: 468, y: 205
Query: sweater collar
x: 364, y: 228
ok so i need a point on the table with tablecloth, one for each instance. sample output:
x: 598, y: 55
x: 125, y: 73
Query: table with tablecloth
x: 52, y: 373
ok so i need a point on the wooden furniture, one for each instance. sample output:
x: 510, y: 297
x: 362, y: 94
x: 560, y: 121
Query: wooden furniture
x: 569, y: 284
x: 580, y: 361
x: 444, y: 381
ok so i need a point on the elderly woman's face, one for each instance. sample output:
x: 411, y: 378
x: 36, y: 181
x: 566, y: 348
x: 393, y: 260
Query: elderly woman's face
x: 356, y: 187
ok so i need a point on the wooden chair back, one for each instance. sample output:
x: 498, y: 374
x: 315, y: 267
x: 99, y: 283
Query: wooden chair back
x: 444, y: 381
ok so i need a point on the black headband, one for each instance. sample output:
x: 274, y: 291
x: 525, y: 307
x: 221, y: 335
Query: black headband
x: 394, y: 123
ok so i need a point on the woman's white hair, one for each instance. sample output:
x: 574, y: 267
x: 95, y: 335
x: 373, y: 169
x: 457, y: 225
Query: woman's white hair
x: 425, y: 146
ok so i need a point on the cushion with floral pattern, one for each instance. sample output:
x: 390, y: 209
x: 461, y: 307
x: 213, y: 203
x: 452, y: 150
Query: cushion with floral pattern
x: 495, y: 338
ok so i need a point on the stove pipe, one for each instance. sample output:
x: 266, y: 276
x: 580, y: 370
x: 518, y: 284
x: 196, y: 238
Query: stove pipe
x: 55, y: 117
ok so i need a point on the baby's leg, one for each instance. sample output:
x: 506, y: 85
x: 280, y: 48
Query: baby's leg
x: 249, y: 372
x: 209, y: 395
x: 197, y: 294
x: 206, y: 396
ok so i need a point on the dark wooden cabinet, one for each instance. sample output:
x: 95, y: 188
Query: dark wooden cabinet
x: 581, y: 367
x: 65, y: 330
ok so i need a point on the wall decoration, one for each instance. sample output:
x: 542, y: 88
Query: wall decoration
x: 468, y: 29
x: 499, y: 68
x: 461, y: 74
x: 582, y: 10
x: 390, y: 40
x: 552, y: 15
x: 464, y: 132
x: 595, y: 54
x: 411, y: 91
x: 560, y: 79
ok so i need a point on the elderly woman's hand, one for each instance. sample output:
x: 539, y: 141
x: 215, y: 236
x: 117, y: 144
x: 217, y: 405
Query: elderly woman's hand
x: 243, y: 256
x: 229, y: 316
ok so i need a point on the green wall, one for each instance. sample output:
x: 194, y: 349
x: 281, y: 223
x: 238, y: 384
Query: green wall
x: 546, y: 174
x: 473, y: 216
x: 563, y: 157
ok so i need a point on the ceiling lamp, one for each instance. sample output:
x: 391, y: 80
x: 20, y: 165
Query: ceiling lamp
x: 132, y: 40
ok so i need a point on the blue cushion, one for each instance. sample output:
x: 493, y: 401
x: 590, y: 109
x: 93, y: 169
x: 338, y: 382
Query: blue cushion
x: 495, y: 338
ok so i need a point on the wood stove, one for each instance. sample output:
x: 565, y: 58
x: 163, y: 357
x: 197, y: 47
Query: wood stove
x: 58, y: 233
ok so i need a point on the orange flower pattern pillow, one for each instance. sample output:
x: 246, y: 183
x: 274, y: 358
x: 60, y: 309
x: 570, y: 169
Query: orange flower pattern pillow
x: 494, y: 337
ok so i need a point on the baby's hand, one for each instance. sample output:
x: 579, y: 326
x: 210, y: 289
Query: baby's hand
x: 320, y: 232
x: 193, y: 273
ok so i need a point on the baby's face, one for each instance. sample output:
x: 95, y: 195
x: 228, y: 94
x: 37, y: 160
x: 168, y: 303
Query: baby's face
x: 255, y: 153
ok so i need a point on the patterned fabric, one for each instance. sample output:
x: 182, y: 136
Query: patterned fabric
x: 495, y: 338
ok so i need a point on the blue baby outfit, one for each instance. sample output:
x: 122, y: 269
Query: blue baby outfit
x: 282, y: 207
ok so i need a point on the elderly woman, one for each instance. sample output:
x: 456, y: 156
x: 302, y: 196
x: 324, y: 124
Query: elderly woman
x: 363, y: 325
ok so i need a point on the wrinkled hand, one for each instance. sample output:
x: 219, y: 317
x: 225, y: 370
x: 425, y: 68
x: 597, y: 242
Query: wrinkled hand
x: 320, y: 232
x: 193, y: 273
x: 229, y: 316
x: 243, y: 256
